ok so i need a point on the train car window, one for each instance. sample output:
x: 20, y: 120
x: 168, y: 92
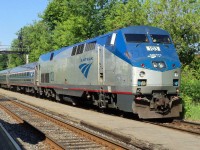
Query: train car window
x: 160, y: 39
x: 136, y: 38
x: 74, y: 51
x: 32, y: 74
x: 51, y: 58
x: 90, y: 46
x: 80, y: 49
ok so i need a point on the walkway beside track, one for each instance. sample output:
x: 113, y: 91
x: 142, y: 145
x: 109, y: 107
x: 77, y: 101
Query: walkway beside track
x: 148, y: 133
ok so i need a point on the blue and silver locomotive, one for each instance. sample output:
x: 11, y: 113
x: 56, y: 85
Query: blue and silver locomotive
x: 134, y: 69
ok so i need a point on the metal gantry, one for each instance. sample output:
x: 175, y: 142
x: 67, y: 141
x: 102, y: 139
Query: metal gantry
x: 6, y: 49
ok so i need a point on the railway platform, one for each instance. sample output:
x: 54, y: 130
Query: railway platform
x: 6, y: 141
x: 159, y: 137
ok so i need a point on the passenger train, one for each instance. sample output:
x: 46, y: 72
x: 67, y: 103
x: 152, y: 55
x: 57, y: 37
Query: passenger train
x: 134, y: 69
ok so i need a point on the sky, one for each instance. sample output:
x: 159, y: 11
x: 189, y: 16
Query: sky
x: 15, y: 14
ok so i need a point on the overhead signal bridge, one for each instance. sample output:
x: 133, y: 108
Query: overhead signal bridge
x: 8, y: 51
x: 15, y: 50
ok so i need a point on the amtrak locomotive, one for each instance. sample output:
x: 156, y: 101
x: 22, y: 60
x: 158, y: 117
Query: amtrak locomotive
x: 134, y: 69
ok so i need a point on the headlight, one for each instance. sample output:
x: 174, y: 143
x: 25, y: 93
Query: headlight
x: 175, y: 74
x: 155, y: 64
x: 161, y: 65
x: 142, y: 74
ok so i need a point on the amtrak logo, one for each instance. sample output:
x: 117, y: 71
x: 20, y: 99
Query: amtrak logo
x: 85, y: 68
x: 85, y: 65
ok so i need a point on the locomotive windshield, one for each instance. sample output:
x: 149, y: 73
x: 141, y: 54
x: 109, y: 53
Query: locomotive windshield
x: 160, y: 39
x: 136, y: 38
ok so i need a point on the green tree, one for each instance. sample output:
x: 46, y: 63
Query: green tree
x: 182, y: 20
x: 65, y: 22
x: 56, y: 12
x: 3, y: 62
x: 15, y: 59
x: 70, y: 32
x: 123, y: 14
x: 37, y: 39
x: 72, y: 21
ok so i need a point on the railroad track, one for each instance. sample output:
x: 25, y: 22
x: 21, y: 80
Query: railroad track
x: 185, y: 126
x: 59, y: 134
x: 181, y: 125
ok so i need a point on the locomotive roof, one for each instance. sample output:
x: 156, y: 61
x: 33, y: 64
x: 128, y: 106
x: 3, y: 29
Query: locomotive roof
x: 130, y: 29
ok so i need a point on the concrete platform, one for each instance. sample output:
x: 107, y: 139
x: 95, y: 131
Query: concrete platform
x: 6, y: 141
x: 148, y: 133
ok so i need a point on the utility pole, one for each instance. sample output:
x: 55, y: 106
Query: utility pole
x: 21, y: 45
x: 20, y: 38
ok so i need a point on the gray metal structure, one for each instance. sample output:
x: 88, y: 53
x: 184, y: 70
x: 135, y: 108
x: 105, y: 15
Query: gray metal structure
x: 134, y: 69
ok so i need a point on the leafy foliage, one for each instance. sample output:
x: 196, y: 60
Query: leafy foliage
x: 3, y: 60
x: 190, y: 84
x: 37, y: 39
x: 65, y: 22
x: 15, y: 59
x: 66, y: 32
x: 187, y: 106
x: 123, y: 14
x: 190, y: 88
x: 184, y: 30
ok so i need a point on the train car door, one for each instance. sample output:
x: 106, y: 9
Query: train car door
x: 101, y: 64
x: 37, y: 74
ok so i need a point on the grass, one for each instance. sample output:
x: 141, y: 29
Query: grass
x: 193, y: 113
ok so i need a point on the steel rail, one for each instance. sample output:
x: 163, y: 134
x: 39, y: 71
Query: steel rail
x: 178, y: 125
x: 52, y: 144
x: 189, y: 122
x: 91, y: 136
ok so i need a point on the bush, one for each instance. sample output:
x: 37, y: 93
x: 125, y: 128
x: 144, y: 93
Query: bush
x: 187, y: 105
x: 194, y: 113
x: 190, y: 90
x: 190, y: 84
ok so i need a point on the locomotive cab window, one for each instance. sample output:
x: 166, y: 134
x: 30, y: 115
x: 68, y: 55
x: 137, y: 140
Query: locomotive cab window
x: 80, y: 49
x: 160, y: 39
x: 90, y: 46
x: 74, y: 51
x: 136, y: 38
